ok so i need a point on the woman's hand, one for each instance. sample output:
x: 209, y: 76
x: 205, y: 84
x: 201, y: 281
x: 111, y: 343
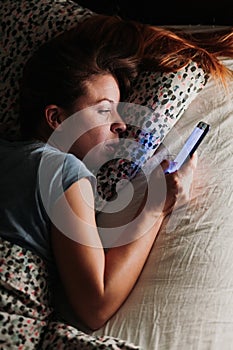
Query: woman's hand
x: 179, y: 185
x: 165, y: 191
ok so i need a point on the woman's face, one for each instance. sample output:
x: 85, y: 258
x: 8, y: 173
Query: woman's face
x: 98, y: 122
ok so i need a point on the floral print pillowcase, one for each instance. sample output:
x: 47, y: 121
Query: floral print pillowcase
x: 156, y: 104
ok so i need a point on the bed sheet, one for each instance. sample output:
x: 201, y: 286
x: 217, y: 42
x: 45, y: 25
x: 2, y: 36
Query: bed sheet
x: 184, y: 297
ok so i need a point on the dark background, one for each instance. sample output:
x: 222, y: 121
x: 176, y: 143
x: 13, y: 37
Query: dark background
x: 200, y: 12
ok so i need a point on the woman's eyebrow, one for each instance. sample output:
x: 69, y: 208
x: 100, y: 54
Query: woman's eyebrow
x: 105, y: 99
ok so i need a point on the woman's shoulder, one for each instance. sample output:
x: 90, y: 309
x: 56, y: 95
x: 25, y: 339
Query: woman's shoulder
x: 69, y: 161
x: 57, y: 163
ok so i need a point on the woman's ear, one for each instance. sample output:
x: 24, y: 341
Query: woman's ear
x: 54, y: 116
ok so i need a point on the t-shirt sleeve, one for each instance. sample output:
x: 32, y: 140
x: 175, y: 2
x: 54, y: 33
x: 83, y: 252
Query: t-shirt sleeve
x: 57, y: 172
x: 74, y: 170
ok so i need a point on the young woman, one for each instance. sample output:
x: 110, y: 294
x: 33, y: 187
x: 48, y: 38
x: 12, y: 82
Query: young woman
x: 70, y: 95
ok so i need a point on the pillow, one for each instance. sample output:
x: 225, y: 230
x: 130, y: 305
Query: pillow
x: 156, y: 104
x: 25, y: 25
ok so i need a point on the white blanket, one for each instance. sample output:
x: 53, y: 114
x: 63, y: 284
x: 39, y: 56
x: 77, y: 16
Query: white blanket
x: 184, y: 297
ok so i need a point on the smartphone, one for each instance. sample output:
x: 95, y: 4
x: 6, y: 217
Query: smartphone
x: 189, y: 147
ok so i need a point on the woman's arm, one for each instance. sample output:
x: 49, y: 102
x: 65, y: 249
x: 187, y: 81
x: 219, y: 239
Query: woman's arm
x: 97, y: 283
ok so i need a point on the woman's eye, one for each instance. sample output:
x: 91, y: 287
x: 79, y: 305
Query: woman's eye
x: 104, y: 111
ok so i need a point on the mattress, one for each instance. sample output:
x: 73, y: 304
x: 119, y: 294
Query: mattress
x: 183, y: 299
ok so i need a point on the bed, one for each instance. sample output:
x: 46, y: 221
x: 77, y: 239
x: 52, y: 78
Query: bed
x: 183, y: 299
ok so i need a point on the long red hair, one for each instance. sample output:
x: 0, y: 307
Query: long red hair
x: 163, y: 49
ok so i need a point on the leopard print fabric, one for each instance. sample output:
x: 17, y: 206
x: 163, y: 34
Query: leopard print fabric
x: 26, y: 317
x: 24, y: 298
x: 25, y: 25
x: 156, y: 104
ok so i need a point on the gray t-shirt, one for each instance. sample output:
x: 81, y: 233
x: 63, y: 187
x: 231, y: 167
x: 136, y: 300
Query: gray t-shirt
x: 33, y: 177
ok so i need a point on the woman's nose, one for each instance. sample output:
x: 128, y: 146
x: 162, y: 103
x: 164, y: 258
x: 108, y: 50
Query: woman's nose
x: 118, y: 126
